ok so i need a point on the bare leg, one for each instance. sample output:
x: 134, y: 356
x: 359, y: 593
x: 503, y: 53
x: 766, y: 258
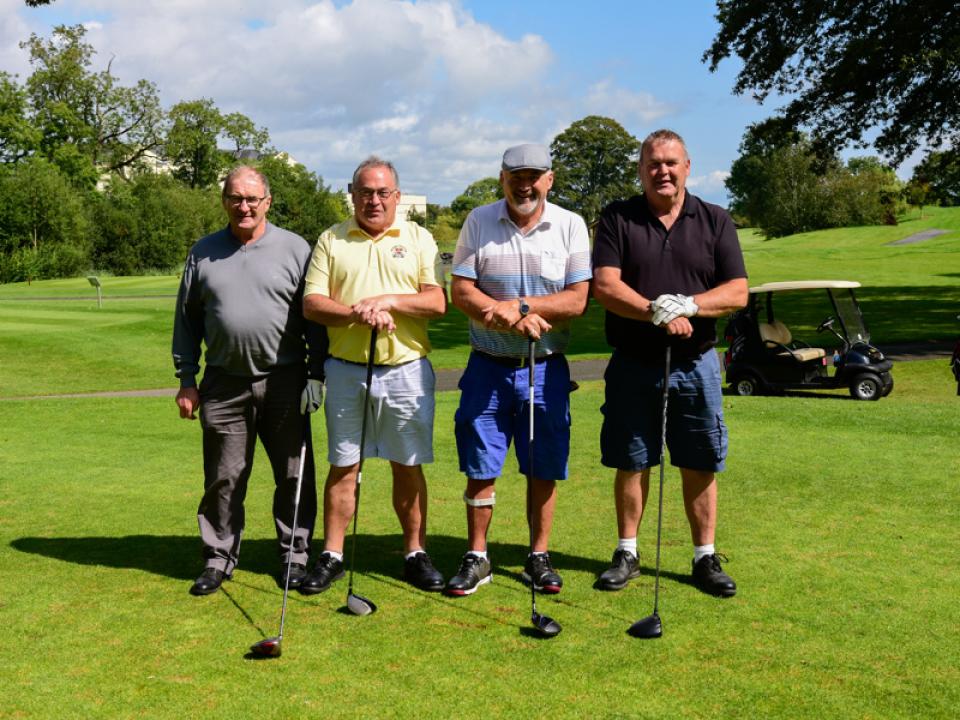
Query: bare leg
x: 700, y: 502
x: 339, y: 502
x: 479, y: 518
x: 410, y: 504
x: 542, y: 501
x: 631, y: 488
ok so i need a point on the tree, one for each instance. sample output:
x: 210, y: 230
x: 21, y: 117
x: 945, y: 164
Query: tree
x: 852, y: 66
x: 783, y: 184
x: 191, y: 144
x: 594, y: 163
x: 301, y: 202
x: 940, y: 173
x: 18, y: 135
x: 481, y: 192
x: 44, y: 223
x: 109, y: 126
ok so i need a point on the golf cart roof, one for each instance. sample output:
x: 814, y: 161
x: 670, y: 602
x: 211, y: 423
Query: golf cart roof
x: 805, y: 285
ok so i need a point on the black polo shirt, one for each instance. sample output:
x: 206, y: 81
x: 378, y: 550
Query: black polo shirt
x: 699, y: 252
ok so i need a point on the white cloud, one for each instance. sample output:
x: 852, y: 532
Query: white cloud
x: 711, y: 183
x: 603, y: 98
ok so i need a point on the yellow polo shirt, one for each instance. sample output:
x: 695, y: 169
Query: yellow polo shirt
x: 348, y: 265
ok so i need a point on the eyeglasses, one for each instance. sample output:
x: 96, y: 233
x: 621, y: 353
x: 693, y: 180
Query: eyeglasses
x: 368, y: 193
x: 252, y: 202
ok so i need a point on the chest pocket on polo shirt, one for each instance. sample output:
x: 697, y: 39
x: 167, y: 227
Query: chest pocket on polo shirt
x: 553, y: 265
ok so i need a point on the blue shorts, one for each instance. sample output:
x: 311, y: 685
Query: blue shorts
x: 494, y: 409
x: 633, y: 414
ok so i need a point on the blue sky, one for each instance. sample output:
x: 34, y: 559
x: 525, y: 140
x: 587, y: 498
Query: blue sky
x: 439, y: 87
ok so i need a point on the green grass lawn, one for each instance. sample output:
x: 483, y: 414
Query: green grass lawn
x: 838, y: 517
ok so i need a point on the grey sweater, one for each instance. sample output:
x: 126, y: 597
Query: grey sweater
x: 244, y: 302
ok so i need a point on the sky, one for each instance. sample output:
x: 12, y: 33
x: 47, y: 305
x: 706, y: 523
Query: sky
x: 439, y: 87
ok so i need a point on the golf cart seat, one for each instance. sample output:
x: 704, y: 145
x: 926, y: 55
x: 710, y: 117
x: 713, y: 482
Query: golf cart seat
x: 776, y: 336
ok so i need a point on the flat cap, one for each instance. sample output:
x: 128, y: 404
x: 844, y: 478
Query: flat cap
x: 527, y: 157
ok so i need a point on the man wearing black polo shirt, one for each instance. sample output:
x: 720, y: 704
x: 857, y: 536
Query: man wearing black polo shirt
x: 666, y: 265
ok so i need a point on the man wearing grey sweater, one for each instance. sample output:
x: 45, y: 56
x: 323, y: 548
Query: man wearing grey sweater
x: 240, y: 296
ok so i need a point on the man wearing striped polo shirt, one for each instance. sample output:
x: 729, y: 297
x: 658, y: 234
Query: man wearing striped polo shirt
x: 521, y: 271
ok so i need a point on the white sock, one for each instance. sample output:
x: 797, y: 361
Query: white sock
x: 334, y: 555
x: 482, y: 554
x: 415, y: 552
x: 701, y: 551
x: 628, y: 544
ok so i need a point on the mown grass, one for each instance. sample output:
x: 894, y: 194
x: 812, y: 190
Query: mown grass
x: 838, y: 518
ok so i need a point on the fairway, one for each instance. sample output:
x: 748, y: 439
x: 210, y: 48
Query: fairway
x: 838, y: 518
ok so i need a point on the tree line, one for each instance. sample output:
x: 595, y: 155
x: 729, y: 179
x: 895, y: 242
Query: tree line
x: 95, y: 174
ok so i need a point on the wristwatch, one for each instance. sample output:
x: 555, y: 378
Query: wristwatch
x: 524, y: 308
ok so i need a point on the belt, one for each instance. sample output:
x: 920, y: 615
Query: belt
x: 513, y: 362
x: 363, y: 364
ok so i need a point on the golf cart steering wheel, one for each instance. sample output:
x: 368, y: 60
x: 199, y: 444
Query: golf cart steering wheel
x: 826, y: 324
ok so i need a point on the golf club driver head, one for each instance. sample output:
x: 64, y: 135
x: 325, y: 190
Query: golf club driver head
x: 647, y: 628
x: 359, y: 605
x: 268, y: 647
x: 547, y: 626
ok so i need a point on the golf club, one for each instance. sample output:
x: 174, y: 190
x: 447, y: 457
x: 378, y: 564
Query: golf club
x: 547, y: 626
x: 650, y: 626
x: 271, y: 646
x: 357, y: 604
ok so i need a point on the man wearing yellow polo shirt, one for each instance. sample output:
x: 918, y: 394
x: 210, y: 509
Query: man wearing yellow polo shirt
x: 374, y: 272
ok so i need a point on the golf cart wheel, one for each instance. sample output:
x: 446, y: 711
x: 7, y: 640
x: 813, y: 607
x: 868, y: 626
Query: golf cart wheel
x: 866, y: 387
x: 889, y: 388
x: 746, y: 385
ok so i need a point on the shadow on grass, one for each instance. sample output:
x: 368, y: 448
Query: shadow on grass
x: 178, y: 556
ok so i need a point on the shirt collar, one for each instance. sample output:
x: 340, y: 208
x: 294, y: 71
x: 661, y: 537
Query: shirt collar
x: 353, y: 228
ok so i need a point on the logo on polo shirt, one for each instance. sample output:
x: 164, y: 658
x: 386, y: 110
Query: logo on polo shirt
x: 398, y: 251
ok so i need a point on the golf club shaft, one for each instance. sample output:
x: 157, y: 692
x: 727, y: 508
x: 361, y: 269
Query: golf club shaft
x: 363, y: 437
x: 663, y: 460
x: 531, y: 375
x: 296, y: 512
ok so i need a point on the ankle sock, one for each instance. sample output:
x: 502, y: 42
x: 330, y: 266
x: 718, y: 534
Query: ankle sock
x: 701, y: 551
x: 628, y: 544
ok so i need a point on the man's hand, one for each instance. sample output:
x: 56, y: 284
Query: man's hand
x: 532, y: 326
x: 502, y: 315
x: 668, y: 308
x: 312, y: 397
x: 188, y: 400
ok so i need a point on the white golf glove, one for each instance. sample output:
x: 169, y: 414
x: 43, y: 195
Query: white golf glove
x: 668, y: 308
x: 312, y: 397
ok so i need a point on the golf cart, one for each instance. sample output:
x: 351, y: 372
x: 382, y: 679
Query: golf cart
x: 763, y: 357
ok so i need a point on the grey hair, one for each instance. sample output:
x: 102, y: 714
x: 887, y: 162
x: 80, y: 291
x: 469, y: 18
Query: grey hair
x: 659, y: 136
x: 372, y: 162
x: 243, y: 170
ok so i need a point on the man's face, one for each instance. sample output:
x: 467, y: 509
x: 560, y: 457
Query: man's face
x: 238, y: 194
x: 526, y: 190
x: 664, y: 169
x: 374, y: 212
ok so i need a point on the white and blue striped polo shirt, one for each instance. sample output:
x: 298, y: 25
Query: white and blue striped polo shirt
x: 507, y: 264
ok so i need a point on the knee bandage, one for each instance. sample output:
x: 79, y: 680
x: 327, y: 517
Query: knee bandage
x: 481, y: 502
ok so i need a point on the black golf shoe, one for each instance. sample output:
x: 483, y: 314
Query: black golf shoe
x: 420, y: 572
x: 624, y: 567
x: 326, y: 571
x: 209, y: 581
x: 298, y: 572
x: 711, y: 579
x: 474, y: 571
x: 545, y: 579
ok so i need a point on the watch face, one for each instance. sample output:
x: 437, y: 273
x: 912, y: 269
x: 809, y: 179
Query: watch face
x: 524, y: 308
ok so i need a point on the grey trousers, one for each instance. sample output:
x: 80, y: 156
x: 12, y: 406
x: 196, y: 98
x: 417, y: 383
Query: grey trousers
x: 234, y: 412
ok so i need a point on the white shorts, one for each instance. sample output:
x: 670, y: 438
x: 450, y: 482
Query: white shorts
x: 400, y: 415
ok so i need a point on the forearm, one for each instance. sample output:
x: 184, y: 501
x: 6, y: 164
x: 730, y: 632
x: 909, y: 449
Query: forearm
x: 618, y: 297
x: 569, y: 303
x: 723, y: 299
x: 326, y: 311
x: 430, y: 302
x: 469, y: 299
